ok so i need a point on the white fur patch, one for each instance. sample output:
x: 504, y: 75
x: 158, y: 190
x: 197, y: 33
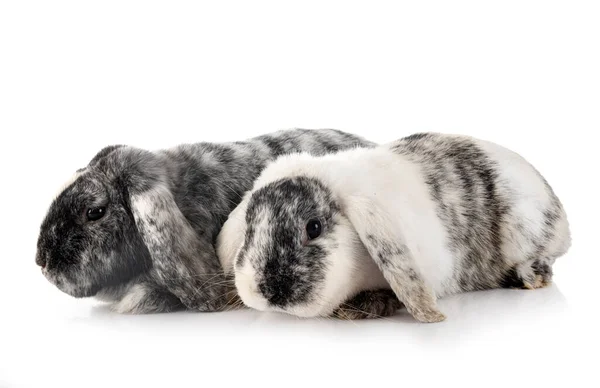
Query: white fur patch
x: 231, y: 237
x: 245, y: 283
x: 131, y: 300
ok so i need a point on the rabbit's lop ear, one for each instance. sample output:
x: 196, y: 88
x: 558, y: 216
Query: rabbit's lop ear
x: 183, y: 261
x: 231, y: 236
x: 387, y: 247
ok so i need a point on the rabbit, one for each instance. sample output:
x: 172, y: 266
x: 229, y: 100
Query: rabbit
x: 137, y: 228
x: 425, y: 216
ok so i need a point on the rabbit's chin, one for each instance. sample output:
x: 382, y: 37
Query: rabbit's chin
x: 311, y: 310
x: 63, y: 283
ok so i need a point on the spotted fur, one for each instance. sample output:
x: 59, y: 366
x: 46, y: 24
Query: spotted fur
x: 278, y: 283
x: 476, y: 203
x: 154, y: 248
x: 437, y: 214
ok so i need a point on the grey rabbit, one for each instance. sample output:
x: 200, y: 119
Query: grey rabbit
x: 137, y: 228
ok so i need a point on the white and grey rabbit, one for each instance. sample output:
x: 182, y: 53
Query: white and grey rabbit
x: 427, y: 216
x: 137, y: 228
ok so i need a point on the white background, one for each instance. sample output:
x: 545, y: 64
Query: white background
x: 76, y: 76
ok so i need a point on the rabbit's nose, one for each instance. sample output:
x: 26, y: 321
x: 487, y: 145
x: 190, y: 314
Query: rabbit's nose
x: 40, y: 260
x: 278, y: 289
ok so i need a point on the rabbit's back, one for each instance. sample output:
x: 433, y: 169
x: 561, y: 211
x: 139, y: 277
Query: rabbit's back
x: 209, y: 179
x: 504, y: 224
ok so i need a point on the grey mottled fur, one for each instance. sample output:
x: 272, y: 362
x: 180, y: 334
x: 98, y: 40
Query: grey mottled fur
x: 154, y: 248
x: 476, y: 207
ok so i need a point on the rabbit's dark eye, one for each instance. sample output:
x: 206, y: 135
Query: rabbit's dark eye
x: 313, y: 228
x: 95, y: 213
